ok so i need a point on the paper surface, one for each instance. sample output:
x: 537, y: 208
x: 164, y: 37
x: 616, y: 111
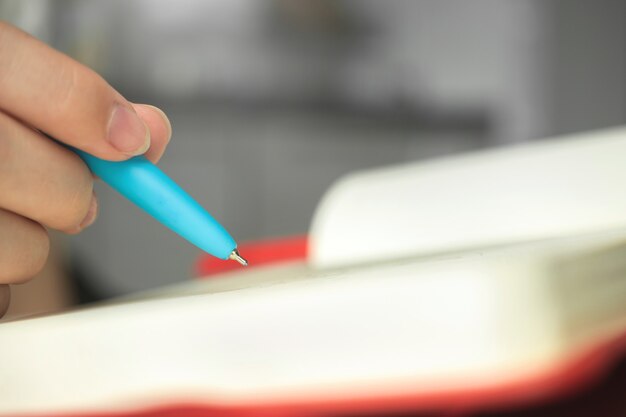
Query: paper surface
x: 403, y: 326
x: 533, y: 191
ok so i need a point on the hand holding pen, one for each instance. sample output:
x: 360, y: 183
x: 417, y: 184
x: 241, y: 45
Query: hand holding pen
x: 44, y: 184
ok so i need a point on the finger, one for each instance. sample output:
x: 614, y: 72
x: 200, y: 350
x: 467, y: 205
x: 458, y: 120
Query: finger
x: 65, y: 99
x: 160, y: 129
x: 24, y: 246
x: 42, y: 180
x: 5, y: 299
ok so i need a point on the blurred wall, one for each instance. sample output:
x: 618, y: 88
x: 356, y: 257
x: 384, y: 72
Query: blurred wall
x: 586, y: 68
x: 271, y: 101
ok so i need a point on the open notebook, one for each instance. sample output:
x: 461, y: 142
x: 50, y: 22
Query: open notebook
x: 492, y: 278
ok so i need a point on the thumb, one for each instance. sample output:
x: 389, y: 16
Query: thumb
x: 63, y: 98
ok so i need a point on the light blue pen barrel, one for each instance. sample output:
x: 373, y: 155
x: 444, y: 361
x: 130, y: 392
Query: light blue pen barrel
x: 148, y: 187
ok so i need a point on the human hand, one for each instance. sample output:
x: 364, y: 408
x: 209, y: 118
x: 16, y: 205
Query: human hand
x: 43, y: 184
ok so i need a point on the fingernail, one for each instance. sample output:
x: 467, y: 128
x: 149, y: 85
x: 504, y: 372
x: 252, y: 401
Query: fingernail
x: 127, y: 132
x: 92, y: 213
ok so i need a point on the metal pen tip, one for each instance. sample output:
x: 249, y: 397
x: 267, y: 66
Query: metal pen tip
x: 234, y: 255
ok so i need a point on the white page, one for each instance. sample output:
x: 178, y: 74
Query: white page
x: 374, y: 330
x: 479, y: 318
x: 551, y: 188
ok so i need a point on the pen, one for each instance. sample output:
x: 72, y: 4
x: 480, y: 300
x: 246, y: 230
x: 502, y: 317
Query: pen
x: 144, y: 184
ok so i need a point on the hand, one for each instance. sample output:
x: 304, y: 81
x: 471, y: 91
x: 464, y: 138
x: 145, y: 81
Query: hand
x: 42, y: 184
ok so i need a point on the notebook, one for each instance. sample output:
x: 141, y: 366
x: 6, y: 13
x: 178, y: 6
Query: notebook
x: 491, y: 279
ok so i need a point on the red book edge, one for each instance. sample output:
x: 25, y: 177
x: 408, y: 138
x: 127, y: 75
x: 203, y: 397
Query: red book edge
x: 257, y: 253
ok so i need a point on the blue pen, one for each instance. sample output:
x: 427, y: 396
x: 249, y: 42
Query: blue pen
x: 148, y: 187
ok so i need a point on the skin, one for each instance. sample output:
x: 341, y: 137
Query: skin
x: 42, y: 184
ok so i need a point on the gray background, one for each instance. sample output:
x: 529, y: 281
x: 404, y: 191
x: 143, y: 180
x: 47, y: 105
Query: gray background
x: 271, y: 101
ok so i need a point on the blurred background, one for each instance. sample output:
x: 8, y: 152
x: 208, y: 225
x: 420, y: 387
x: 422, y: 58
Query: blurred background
x: 271, y: 101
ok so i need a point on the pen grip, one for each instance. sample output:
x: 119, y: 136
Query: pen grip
x: 151, y: 189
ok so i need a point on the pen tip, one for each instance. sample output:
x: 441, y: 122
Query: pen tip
x: 235, y: 256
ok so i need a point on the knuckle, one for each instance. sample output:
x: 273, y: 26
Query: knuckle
x: 28, y: 258
x: 78, y: 89
x: 40, y: 247
x: 67, y: 81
